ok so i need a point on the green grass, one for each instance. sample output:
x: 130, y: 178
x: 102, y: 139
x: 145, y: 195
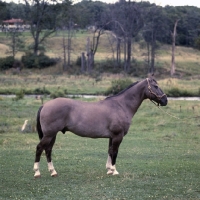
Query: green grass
x: 33, y: 83
x: 71, y: 84
x: 158, y: 159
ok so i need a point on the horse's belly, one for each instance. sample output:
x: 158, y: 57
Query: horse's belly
x: 91, y: 132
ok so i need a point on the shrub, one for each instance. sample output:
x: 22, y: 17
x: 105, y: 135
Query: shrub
x: 78, y: 61
x: 41, y: 91
x: 19, y: 95
x: 30, y: 60
x: 110, y: 66
x: 176, y: 92
x: 118, y: 85
x: 56, y: 94
x: 6, y: 63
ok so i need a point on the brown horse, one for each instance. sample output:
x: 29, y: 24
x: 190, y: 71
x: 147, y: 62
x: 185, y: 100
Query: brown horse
x: 109, y: 118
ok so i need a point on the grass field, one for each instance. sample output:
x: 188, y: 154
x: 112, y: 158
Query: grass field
x: 32, y: 83
x: 158, y: 159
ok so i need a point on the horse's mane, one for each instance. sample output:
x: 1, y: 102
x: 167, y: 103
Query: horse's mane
x: 121, y: 92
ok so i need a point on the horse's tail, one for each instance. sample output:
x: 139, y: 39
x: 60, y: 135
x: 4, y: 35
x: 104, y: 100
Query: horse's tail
x: 39, y: 128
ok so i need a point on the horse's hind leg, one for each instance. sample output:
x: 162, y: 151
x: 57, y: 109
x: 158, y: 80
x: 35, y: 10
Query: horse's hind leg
x: 48, y: 152
x: 43, y: 144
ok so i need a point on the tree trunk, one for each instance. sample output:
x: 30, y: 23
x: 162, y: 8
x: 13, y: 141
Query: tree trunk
x: 69, y: 51
x: 83, y: 62
x: 36, y: 42
x: 35, y: 48
x: 153, y: 51
x: 173, y: 67
x: 128, y: 54
x: 148, y: 55
x: 64, y: 55
x: 88, y: 54
x: 118, y: 52
x: 125, y: 61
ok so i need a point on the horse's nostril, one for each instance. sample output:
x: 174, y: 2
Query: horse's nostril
x: 164, y: 102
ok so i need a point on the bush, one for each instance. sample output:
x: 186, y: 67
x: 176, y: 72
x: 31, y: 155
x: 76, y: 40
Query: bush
x: 56, y: 94
x: 19, y: 95
x: 118, y: 85
x: 30, y: 60
x: 41, y: 91
x: 6, y: 63
x: 176, y: 92
x: 78, y: 61
x: 110, y: 66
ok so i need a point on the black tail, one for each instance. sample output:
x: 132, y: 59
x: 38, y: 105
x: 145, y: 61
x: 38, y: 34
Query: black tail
x: 39, y: 129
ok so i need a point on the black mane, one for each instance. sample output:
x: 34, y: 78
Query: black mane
x: 121, y: 92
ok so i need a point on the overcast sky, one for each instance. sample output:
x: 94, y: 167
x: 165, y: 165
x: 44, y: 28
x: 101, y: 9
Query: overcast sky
x: 167, y: 2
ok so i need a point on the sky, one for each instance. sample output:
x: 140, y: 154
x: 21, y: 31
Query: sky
x: 167, y: 2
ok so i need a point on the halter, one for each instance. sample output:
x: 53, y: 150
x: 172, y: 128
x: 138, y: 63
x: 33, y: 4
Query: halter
x: 151, y: 92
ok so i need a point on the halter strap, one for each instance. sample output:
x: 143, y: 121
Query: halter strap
x: 151, y: 92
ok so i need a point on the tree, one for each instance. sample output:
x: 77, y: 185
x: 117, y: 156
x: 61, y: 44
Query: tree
x: 188, y: 28
x: 155, y: 29
x: 67, y: 44
x: 4, y: 13
x: 16, y: 42
x: 127, y: 22
x: 16, y: 10
x: 42, y: 15
x: 87, y: 12
x: 93, y: 46
x: 197, y: 43
x: 173, y: 34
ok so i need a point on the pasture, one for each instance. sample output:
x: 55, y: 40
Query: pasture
x: 39, y: 81
x: 158, y: 159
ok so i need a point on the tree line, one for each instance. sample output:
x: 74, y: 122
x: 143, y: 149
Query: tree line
x: 127, y: 21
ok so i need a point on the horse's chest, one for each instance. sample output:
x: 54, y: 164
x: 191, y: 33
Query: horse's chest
x: 120, y: 125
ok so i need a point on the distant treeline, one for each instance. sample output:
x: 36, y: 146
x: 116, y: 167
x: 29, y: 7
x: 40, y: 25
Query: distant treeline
x: 89, y: 13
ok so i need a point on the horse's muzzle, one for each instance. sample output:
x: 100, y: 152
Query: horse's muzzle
x: 163, y: 101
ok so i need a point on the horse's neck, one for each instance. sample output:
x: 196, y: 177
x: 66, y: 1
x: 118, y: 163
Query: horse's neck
x: 132, y: 98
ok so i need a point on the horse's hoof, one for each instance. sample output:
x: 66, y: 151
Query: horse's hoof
x: 115, y: 173
x: 37, y: 176
x: 54, y: 175
x: 109, y: 172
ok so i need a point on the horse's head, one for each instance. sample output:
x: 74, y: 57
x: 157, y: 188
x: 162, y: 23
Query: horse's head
x: 154, y: 93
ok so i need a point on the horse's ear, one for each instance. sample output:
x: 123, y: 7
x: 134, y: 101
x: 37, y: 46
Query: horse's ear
x: 150, y: 75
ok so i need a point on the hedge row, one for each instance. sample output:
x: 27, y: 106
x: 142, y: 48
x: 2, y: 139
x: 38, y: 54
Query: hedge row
x: 29, y: 60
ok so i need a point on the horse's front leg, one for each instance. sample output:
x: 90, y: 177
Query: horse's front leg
x: 112, y: 154
x: 109, y: 160
x: 111, y: 169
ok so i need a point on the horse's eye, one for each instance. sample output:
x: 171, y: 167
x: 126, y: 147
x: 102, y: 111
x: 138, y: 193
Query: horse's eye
x: 156, y: 86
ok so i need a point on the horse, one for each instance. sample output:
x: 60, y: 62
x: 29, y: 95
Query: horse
x: 109, y: 118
